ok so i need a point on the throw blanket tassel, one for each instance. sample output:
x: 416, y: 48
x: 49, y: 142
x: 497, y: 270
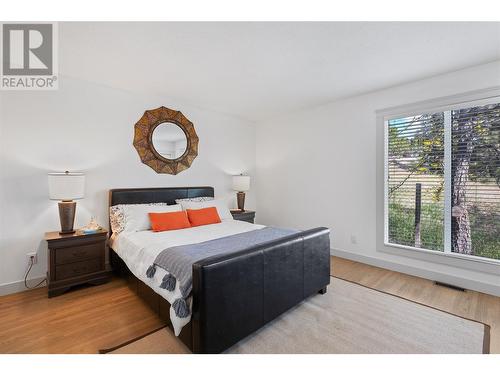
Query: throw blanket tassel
x: 151, y: 271
x: 181, y: 308
x: 168, y: 282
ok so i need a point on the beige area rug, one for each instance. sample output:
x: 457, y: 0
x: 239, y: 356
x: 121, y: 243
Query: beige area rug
x: 350, y: 318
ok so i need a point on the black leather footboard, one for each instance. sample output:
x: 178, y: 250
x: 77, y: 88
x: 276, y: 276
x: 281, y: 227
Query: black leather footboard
x: 236, y: 294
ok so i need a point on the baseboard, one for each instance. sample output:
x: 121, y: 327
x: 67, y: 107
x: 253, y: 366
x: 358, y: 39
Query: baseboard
x: 476, y: 285
x: 18, y: 286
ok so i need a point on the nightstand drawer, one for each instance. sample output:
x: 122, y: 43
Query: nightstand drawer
x: 67, y: 271
x: 79, y: 253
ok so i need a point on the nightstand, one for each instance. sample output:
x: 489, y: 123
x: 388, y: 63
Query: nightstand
x: 76, y: 259
x: 248, y: 216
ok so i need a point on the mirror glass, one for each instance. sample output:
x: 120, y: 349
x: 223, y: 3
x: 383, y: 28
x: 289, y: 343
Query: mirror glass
x: 169, y: 140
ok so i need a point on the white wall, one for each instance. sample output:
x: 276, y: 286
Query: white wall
x: 90, y: 128
x: 319, y: 168
x: 315, y: 167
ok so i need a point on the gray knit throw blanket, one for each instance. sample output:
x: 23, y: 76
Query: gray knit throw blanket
x: 178, y: 260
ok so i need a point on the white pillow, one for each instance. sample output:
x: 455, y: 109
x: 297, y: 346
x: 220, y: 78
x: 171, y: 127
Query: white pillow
x: 137, y: 218
x: 219, y: 204
x: 117, y: 216
x: 196, y: 199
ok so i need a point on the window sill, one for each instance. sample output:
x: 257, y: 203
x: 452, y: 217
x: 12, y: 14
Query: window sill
x: 470, y: 262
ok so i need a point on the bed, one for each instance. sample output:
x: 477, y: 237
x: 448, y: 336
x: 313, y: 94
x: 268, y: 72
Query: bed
x: 233, y: 294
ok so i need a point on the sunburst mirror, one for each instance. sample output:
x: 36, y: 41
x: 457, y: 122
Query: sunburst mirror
x: 166, y: 140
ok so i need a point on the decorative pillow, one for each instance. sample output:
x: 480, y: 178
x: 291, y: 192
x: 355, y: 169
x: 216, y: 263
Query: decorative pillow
x: 162, y: 221
x: 137, y: 218
x: 203, y: 216
x: 116, y: 219
x: 219, y: 204
x: 196, y: 199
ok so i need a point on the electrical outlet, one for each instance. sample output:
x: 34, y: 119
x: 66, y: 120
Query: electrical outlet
x: 34, y: 256
x: 354, y: 240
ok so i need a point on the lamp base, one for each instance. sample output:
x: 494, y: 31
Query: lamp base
x: 69, y: 232
x: 67, y: 211
x: 241, y: 200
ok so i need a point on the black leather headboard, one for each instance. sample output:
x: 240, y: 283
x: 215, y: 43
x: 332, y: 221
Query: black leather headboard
x: 156, y: 195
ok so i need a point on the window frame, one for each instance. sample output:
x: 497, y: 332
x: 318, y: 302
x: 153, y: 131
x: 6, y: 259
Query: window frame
x: 445, y: 105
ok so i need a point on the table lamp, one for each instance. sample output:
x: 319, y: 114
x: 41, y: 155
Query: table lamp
x: 241, y: 184
x: 64, y: 187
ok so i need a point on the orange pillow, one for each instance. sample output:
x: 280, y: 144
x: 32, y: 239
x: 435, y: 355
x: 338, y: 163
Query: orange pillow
x: 203, y: 216
x: 162, y: 221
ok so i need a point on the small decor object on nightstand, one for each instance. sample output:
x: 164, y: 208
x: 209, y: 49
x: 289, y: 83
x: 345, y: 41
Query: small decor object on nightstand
x: 76, y: 259
x: 65, y: 187
x: 91, y: 227
x: 248, y: 216
x: 241, y: 184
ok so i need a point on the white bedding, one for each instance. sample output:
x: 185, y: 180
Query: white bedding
x: 139, y: 250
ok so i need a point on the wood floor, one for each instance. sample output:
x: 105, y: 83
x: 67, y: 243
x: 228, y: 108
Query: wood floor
x: 93, y: 318
x: 80, y: 321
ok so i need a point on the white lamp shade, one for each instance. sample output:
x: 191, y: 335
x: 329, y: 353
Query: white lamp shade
x: 66, y: 186
x: 241, y: 183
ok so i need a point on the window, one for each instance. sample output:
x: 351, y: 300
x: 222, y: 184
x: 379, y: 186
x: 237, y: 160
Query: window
x: 443, y: 180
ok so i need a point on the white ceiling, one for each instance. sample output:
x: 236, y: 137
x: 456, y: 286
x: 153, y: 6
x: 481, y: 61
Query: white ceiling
x: 259, y: 70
